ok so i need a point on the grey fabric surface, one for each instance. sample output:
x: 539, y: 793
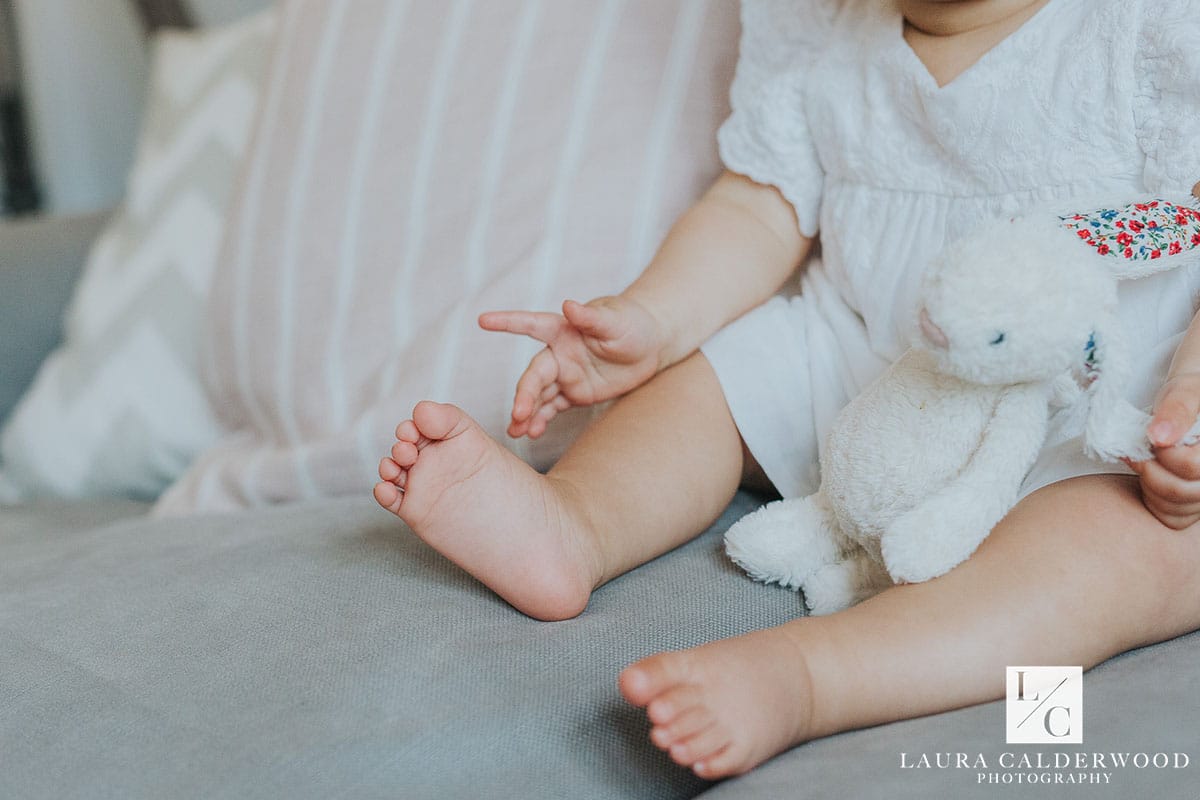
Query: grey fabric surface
x: 34, y: 526
x: 39, y: 261
x: 1143, y: 701
x: 322, y: 651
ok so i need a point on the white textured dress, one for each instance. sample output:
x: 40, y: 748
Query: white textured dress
x: 1088, y: 99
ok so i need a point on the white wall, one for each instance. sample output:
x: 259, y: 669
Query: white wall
x: 85, y: 72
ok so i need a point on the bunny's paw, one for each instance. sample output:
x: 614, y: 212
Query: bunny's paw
x: 922, y: 545
x: 784, y: 542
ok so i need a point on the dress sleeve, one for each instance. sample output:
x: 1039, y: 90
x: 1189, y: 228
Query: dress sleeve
x: 767, y: 138
x: 1167, y: 103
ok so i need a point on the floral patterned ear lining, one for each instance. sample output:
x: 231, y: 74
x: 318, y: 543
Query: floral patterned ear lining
x: 1139, y: 231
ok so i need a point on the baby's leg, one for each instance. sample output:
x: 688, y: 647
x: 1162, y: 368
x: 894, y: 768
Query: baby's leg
x: 653, y: 472
x: 1077, y: 572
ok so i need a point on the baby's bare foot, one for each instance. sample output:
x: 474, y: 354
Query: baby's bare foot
x: 489, y: 512
x: 725, y: 707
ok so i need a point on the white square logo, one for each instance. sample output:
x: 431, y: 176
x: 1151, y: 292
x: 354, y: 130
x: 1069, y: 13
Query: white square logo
x: 1045, y: 705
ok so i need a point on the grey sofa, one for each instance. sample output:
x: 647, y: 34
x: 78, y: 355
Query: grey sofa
x: 322, y: 651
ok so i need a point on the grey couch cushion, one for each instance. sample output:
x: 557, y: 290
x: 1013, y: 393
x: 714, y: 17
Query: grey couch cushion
x: 1142, y: 701
x: 28, y: 527
x: 322, y: 651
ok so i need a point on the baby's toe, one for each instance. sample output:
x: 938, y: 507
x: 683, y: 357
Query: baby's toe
x: 673, y: 703
x: 388, y: 496
x: 731, y: 760
x: 407, y: 432
x: 439, y: 420
x: 686, y: 724
x: 645, y: 680
x: 701, y: 747
x: 404, y: 454
x: 389, y: 470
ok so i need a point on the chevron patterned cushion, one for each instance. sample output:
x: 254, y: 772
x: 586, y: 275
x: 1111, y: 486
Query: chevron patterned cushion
x: 417, y: 163
x: 118, y: 408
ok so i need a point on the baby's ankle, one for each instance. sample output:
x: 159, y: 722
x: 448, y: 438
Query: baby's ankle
x: 579, y: 525
x: 830, y: 702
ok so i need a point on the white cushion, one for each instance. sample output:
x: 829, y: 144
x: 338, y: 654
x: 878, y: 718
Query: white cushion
x: 418, y: 163
x: 118, y: 408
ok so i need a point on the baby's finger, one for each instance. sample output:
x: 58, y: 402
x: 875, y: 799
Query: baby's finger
x: 1173, y: 516
x: 517, y: 429
x: 541, y: 420
x: 1180, y: 460
x: 541, y: 372
x: 522, y: 428
x: 550, y: 392
x: 539, y: 325
x: 1175, y: 412
x: 598, y: 322
x: 1166, y: 486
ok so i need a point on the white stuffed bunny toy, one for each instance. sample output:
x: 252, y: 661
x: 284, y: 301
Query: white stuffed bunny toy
x: 1015, y: 318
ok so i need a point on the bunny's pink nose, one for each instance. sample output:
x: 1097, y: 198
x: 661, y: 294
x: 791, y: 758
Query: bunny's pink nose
x: 932, y: 332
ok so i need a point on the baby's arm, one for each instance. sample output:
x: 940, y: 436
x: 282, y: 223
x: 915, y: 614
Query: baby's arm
x: 728, y: 253
x: 1171, y: 480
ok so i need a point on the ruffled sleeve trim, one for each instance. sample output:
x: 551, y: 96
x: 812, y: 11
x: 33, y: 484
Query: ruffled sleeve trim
x: 768, y: 141
x: 767, y: 137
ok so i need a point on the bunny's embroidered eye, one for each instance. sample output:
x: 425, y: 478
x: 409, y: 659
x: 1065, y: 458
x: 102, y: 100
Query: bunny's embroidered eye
x: 999, y: 338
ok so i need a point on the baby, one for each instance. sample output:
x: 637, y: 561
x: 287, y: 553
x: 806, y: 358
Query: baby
x: 891, y: 127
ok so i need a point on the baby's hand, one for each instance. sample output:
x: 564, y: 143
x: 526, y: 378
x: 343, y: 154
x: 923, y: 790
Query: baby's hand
x: 1171, y: 480
x: 593, y: 352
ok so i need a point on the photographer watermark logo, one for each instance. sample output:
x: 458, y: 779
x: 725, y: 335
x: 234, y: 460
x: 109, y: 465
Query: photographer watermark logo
x: 1045, y: 705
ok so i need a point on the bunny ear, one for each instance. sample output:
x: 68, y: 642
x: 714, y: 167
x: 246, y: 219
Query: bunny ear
x: 1140, y: 239
x: 1114, y: 429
